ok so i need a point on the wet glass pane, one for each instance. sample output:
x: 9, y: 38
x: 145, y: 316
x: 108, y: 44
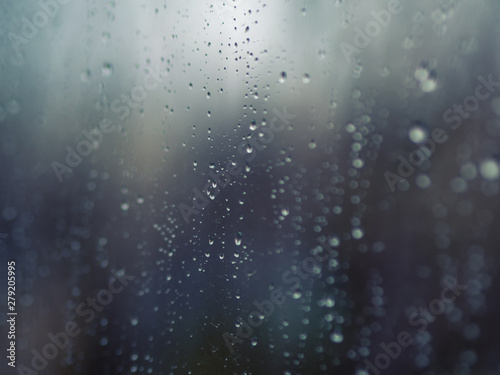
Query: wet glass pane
x: 250, y: 187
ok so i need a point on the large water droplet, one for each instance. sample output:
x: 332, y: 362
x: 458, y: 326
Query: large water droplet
x: 418, y: 133
x: 296, y: 294
x: 336, y: 337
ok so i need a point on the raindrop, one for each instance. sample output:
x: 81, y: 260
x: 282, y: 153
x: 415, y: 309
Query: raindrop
x: 85, y: 76
x: 418, y: 133
x: 421, y: 74
x: 357, y: 233
x: 489, y: 169
x: 306, y: 78
x: 329, y: 302
x: 107, y: 69
x: 336, y: 337
x: 296, y: 294
x: 237, y: 239
x: 283, y: 77
x: 423, y: 181
x: 429, y: 85
x: 105, y: 37
x: 358, y: 163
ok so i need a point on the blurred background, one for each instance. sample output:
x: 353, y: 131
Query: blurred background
x: 315, y: 104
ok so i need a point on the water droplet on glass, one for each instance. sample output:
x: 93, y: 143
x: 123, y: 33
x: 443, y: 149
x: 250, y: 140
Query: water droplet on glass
x: 336, y: 337
x: 237, y: 239
x: 418, y: 134
x: 283, y: 77
x: 85, y: 76
x: 105, y: 37
x: 429, y: 85
x: 421, y: 74
x: 107, y: 69
x: 357, y: 233
x: 296, y: 294
x: 489, y: 169
x: 329, y: 302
